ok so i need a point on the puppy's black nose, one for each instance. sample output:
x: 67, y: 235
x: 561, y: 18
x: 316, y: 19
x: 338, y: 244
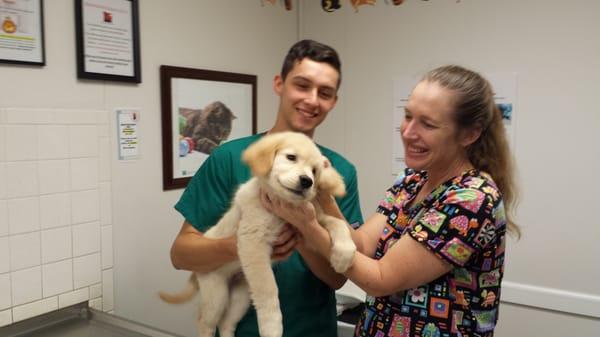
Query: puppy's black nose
x: 305, y: 181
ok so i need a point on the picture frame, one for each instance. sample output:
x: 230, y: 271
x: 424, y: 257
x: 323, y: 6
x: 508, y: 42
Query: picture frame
x: 108, y: 40
x: 22, y: 32
x: 201, y: 109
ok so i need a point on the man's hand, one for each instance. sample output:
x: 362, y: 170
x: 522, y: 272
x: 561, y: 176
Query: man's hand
x: 285, y: 244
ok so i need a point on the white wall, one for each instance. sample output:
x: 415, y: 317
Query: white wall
x: 553, y: 47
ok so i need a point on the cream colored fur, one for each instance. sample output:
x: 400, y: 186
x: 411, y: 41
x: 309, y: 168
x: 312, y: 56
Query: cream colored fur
x: 278, y: 162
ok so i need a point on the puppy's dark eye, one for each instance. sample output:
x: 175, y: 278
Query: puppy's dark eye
x: 291, y: 157
x: 314, y: 170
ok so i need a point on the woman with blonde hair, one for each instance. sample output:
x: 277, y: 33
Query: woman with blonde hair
x: 431, y: 259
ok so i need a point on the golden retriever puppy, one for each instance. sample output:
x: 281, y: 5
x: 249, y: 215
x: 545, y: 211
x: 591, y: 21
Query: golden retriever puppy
x: 285, y: 165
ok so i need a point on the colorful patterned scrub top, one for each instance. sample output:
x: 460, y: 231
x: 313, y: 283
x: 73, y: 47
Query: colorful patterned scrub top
x: 464, y: 223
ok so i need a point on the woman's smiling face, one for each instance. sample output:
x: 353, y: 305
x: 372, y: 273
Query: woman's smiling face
x: 429, y: 133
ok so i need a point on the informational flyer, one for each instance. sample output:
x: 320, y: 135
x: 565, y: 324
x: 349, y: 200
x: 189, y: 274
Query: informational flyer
x: 108, y: 37
x: 21, y: 31
x: 505, y: 96
x: 127, y: 133
x: 402, y: 88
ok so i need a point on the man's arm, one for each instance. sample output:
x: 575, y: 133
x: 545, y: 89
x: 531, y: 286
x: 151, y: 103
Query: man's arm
x: 191, y: 250
x: 203, y: 203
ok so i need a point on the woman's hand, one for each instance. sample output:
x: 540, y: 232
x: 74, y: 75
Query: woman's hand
x: 297, y: 215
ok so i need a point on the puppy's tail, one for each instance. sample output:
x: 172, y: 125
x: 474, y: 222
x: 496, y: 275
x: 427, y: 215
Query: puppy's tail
x: 187, y: 294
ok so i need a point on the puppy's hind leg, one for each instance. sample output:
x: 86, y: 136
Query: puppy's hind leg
x: 239, y: 301
x: 256, y: 263
x: 214, y: 294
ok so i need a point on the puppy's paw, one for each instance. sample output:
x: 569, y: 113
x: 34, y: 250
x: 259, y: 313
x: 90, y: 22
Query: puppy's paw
x: 342, y: 255
x: 273, y: 328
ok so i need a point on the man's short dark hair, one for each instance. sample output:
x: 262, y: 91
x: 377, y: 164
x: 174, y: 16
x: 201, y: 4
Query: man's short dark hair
x: 314, y: 51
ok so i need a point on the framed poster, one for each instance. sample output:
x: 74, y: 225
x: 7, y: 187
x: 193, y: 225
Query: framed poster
x: 22, y: 32
x: 200, y: 110
x: 108, y: 42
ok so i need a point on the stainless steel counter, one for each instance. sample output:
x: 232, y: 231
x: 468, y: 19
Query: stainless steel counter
x: 80, y: 321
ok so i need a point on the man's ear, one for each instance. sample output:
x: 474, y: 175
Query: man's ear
x: 278, y: 84
x: 260, y: 155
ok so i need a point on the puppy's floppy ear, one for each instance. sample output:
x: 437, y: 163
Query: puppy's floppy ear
x: 330, y: 181
x: 260, y: 155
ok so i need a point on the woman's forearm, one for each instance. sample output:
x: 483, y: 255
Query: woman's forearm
x: 330, y: 207
x: 321, y: 267
x: 316, y: 238
x: 366, y: 273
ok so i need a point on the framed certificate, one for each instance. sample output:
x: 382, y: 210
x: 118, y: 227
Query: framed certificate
x: 108, y: 43
x: 22, y: 32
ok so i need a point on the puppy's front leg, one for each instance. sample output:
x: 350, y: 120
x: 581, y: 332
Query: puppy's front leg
x: 343, y: 248
x: 255, y: 257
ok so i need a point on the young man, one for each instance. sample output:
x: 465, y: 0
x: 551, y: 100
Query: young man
x: 307, y: 88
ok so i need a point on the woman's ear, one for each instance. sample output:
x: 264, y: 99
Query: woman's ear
x: 470, y: 135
